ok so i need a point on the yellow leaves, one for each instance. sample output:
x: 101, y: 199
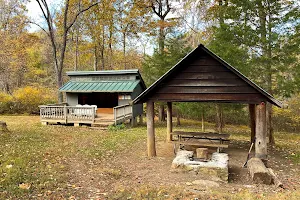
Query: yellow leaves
x: 4, y: 98
x: 25, y: 186
x: 25, y: 99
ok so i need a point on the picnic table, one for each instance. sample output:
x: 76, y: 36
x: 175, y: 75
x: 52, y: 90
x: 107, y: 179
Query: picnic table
x: 219, y: 140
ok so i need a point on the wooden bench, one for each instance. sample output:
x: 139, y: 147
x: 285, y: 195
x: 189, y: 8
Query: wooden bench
x: 200, y: 139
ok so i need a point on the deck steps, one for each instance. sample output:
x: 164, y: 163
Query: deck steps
x: 102, y: 123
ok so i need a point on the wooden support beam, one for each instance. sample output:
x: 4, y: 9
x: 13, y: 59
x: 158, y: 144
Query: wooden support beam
x: 261, y: 134
x: 150, y: 129
x: 133, y: 121
x: 252, y: 121
x: 169, y: 121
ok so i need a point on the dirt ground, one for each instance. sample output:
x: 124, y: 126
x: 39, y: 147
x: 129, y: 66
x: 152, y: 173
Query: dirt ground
x: 132, y: 169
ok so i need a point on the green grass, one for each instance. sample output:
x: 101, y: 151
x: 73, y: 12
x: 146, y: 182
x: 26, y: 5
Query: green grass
x: 42, y: 156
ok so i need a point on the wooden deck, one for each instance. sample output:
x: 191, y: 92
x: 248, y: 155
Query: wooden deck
x: 79, y: 115
x: 104, y: 119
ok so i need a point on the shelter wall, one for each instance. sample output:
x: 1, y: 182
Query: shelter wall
x: 137, y: 108
x: 72, y: 99
x: 203, y: 78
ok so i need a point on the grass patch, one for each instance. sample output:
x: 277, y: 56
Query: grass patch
x: 42, y: 157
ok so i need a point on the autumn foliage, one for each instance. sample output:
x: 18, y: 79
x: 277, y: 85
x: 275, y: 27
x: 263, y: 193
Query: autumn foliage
x: 25, y: 100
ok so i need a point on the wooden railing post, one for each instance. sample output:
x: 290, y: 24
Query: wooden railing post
x: 124, y: 114
x: 65, y: 114
x: 115, y: 115
x: 93, y: 114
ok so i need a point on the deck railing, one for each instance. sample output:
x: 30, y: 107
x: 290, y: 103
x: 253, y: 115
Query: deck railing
x: 122, y: 113
x: 68, y: 114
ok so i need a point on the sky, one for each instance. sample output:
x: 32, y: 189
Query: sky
x: 35, y: 13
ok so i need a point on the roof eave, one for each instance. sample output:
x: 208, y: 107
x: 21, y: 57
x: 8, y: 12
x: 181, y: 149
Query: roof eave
x: 234, y: 70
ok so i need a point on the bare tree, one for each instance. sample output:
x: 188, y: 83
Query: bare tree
x: 67, y: 22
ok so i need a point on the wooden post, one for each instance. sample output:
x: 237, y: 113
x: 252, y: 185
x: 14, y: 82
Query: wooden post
x: 150, y: 129
x: 252, y: 121
x: 133, y: 121
x: 261, y: 134
x: 169, y: 121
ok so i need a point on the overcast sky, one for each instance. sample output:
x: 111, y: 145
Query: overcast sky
x: 35, y: 13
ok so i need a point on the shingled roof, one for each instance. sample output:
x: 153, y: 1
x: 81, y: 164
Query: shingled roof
x: 202, y: 76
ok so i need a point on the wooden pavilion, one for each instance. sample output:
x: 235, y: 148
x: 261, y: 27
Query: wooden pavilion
x: 202, y: 76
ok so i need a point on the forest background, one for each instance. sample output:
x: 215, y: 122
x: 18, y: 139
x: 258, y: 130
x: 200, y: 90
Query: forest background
x: 260, y: 38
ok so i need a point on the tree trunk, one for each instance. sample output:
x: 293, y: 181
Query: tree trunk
x: 202, y: 120
x: 169, y: 121
x: 161, y: 39
x: 124, y: 48
x: 59, y: 84
x: 76, y: 52
x: 265, y: 29
x: 110, y: 47
x: 219, y: 118
x: 252, y: 121
x: 95, y: 58
x: 270, y: 135
x: 178, y: 119
x: 161, y: 113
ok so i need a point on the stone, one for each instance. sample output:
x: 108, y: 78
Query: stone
x: 181, y: 158
x: 3, y: 127
x: 215, y: 169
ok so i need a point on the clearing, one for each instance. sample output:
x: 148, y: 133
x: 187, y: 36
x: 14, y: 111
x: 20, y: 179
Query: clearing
x: 65, y: 162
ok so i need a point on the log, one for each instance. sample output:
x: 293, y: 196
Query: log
x: 202, y: 153
x: 3, y: 127
x: 258, y: 172
x: 276, y: 181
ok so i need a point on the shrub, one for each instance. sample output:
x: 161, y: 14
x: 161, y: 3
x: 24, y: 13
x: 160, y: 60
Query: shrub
x: 25, y: 100
x: 28, y: 99
x: 288, y: 119
x: 5, y: 102
x: 116, y: 127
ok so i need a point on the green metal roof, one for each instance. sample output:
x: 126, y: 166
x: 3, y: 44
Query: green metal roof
x: 100, y: 86
x: 105, y: 72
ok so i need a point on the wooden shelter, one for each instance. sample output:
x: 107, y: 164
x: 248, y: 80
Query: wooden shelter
x: 97, y: 98
x: 202, y: 76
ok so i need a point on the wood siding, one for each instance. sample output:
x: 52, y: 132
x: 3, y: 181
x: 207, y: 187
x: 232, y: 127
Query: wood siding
x: 205, y: 79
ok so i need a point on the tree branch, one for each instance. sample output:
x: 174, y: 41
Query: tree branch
x: 31, y: 22
x: 79, y: 13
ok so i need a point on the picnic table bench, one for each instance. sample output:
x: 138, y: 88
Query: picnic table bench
x: 219, y: 140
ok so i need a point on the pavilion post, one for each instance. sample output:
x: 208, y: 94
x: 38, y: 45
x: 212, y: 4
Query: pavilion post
x: 150, y: 129
x: 252, y: 121
x: 261, y: 132
x: 169, y: 121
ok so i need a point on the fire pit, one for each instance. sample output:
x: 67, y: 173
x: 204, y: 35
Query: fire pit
x: 215, y: 169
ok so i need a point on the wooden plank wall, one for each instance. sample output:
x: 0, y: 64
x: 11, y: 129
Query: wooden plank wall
x: 205, y: 79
